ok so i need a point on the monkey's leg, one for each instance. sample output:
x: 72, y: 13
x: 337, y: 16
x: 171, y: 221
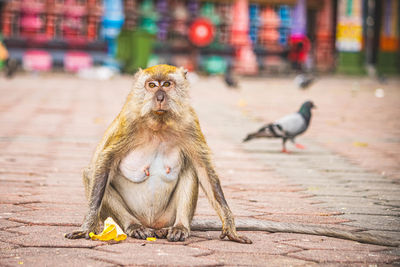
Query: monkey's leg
x: 211, y: 186
x: 184, y: 202
x: 114, y: 206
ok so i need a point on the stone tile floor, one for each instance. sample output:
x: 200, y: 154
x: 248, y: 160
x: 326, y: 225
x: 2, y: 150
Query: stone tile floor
x: 50, y: 125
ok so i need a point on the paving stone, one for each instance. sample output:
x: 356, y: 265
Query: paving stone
x: 285, y: 198
x: 257, y: 187
x: 50, y: 217
x: 374, y: 222
x: 262, y: 244
x: 157, y: 254
x: 393, y: 235
x: 344, y: 257
x: 393, y: 251
x: 55, y: 257
x: 6, y: 249
x: 7, y: 210
x: 79, y: 209
x: 4, y: 224
x: 73, y: 195
x: 48, y: 236
x: 322, y: 242
x: 361, y: 208
x: 292, y: 210
x: 256, y: 259
x: 322, y: 218
x: 239, y: 209
x: 337, y: 192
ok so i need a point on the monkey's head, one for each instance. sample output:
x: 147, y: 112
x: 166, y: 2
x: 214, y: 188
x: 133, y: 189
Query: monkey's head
x: 161, y: 90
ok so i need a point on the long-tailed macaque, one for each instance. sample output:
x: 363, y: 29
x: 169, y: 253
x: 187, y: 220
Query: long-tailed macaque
x: 146, y: 171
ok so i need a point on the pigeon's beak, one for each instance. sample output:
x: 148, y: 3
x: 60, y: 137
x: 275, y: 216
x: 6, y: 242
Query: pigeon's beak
x: 314, y: 106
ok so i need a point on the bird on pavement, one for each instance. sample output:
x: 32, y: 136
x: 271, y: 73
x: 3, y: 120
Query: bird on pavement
x: 288, y: 127
x: 229, y: 78
x: 304, y: 81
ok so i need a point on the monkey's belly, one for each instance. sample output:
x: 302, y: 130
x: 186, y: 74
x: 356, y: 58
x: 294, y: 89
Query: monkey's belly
x: 147, y: 196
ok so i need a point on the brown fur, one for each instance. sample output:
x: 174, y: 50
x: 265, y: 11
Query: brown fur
x: 133, y: 129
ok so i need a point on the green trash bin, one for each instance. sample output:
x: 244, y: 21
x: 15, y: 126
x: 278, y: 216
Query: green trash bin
x: 134, y: 48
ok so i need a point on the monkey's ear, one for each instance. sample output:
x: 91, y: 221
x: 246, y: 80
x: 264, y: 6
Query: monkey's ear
x: 138, y: 73
x: 184, y: 71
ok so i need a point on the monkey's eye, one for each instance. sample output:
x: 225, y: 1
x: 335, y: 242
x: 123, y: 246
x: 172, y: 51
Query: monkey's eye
x: 167, y: 84
x: 152, y: 85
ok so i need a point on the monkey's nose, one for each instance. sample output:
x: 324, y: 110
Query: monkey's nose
x: 160, y: 95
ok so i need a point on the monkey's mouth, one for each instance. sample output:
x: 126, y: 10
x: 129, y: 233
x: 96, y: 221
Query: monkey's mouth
x: 160, y: 111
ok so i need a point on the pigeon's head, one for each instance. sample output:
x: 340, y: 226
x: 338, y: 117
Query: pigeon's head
x: 305, y: 109
x: 308, y: 105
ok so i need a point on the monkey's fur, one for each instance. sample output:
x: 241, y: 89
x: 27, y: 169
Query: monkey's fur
x: 146, y: 171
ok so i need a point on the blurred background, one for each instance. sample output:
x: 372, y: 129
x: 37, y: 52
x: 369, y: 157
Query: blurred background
x: 246, y: 37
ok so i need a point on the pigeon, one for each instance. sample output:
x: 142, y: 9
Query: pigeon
x: 229, y: 78
x: 230, y: 81
x: 382, y: 79
x: 287, y: 127
x: 303, y: 81
x: 11, y: 67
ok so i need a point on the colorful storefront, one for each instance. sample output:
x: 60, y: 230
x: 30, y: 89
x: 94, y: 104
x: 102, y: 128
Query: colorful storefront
x: 252, y: 37
x: 388, y: 59
x: 367, y: 36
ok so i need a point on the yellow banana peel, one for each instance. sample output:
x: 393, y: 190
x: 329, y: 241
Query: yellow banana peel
x: 111, y: 231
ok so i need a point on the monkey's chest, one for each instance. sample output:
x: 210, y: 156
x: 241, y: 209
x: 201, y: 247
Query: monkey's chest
x: 157, y: 161
x: 150, y: 175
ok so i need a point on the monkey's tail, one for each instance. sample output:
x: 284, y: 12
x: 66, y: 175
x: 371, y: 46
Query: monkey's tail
x: 249, y: 224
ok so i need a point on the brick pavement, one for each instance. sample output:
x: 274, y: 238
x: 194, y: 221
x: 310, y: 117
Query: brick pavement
x: 51, y: 125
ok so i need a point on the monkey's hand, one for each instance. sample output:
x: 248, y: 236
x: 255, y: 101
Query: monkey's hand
x: 233, y: 236
x: 138, y: 231
x: 77, y: 234
x: 90, y: 225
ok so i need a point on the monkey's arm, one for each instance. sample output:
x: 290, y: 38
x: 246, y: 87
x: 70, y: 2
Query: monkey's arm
x: 97, y: 178
x: 211, y: 186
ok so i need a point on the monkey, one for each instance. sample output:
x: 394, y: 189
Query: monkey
x: 147, y: 170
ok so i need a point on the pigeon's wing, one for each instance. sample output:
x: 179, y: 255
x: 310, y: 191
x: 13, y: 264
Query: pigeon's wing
x: 292, y: 124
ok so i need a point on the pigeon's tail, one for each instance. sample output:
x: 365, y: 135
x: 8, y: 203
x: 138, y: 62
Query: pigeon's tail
x: 269, y: 131
x: 249, y: 137
x: 279, y: 227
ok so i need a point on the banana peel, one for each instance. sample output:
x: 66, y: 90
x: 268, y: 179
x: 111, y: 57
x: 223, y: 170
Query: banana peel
x: 111, y: 231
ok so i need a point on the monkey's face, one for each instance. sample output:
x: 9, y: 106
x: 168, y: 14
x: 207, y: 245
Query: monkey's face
x: 161, y: 90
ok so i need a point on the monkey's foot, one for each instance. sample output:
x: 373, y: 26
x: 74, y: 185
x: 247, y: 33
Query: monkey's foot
x: 161, y: 233
x: 77, y: 234
x: 177, y: 233
x: 233, y: 236
x: 139, y: 231
x: 300, y: 146
x: 146, y: 170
